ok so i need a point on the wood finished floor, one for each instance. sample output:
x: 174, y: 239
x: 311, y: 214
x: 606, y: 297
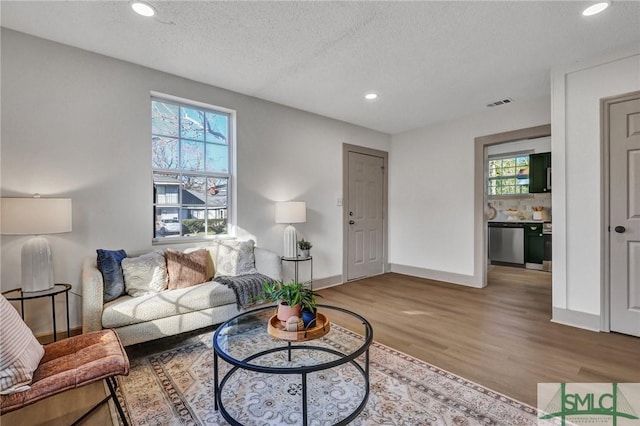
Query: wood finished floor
x: 500, y: 337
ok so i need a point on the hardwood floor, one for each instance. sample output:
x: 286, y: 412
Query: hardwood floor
x: 500, y: 336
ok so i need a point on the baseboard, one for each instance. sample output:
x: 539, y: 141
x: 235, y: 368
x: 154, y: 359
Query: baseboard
x: 48, y: 338
x: 327, y: 282
x: 449, y: 277
x: 576, y: 319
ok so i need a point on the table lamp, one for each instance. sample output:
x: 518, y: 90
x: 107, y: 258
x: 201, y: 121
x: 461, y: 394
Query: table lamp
x: 35, y: 216
x: 291, y: 212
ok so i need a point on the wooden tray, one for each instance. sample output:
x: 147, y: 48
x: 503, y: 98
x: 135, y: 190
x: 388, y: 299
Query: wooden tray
x: 322, y: 327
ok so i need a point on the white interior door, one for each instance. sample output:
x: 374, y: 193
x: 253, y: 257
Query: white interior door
x: 365, y: 215
x: 624, y: 235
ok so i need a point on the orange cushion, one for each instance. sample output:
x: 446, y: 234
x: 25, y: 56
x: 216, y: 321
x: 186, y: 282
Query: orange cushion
x: 72, y: 363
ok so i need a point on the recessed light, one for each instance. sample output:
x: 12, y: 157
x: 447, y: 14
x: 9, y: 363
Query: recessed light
x: 595, y: 8
x: 143, y: 8
x: 371, y: 96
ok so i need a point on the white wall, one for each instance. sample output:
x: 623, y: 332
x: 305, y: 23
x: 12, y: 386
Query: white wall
x: 77, y: 124
x: 536, y: 146
x: 577, y: 179
x: 431, y: 192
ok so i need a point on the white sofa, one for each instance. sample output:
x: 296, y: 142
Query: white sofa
x: 170, y: 312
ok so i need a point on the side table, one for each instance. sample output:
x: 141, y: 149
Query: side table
x: 296, y: 261
x: 52, y: 292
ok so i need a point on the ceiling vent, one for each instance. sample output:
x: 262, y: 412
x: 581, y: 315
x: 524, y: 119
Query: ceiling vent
x: 500, y: 102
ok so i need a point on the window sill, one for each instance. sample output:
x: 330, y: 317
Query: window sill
x: 508, y: 197
x: 188, y: 240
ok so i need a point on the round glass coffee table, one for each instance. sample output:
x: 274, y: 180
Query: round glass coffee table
x: 272, y: 381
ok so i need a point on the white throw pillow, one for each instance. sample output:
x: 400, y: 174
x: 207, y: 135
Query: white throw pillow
x: 145, y: 274
x: 20, y: 352
x: 235, y: 258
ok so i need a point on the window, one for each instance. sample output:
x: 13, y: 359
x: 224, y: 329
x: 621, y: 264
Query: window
x: 508, y: 175
x: 191, y: 151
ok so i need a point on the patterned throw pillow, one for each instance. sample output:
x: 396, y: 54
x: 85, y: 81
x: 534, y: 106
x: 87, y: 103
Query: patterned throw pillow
x: 187, y: 269
x: 235, y: 258
x: 20, y: 352
x: 145, y: 274
x: 109, y: 263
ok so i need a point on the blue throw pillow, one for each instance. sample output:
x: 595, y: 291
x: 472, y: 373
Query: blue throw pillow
x: 109, y: 263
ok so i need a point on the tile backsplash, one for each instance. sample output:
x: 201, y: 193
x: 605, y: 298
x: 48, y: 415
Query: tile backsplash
x: 523, y: 206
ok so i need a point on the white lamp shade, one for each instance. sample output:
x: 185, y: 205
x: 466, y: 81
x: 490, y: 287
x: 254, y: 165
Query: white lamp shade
x: 291, y: 212
x: 35, y: 216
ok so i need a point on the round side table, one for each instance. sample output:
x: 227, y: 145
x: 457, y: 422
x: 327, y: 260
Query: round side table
x: 297, y: 261
x: 18, y: 295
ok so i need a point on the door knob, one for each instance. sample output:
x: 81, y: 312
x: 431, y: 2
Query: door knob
x: 352, y: 222
x: 620, y: 229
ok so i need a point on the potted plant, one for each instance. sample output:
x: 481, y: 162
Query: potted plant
x: 287, y: 296
x: 309, y: 306
x: 304, y: 247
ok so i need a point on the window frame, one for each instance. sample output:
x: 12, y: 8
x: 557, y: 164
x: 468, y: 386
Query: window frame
x: 230, y: 175
x: 506, y: 156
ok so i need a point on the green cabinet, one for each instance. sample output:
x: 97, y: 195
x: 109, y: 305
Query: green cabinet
x: 540, y: 173
x: 533, y: 243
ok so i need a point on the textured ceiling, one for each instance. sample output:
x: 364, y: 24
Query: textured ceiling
x: 429, y: 61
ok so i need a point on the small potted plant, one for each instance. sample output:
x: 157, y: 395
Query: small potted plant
x: 304, y: 247
x: 287, y: 296
x: 309, y: 306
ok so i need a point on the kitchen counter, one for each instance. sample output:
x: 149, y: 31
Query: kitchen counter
x: 520, y: 242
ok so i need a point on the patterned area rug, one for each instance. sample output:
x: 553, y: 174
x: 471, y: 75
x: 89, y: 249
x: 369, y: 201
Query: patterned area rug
x: 174, y: 386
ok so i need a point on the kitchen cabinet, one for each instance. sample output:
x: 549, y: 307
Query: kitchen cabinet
x: 540, y: 173
x: 533, y: 245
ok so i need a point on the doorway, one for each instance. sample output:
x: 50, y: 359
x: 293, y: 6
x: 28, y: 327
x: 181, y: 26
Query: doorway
x: 482, y: 145
x: 364, y: 212
x: 621, y: 230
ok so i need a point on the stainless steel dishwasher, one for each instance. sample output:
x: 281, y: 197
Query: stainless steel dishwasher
x: 506, y: 243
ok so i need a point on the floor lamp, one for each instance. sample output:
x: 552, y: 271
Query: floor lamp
x: 291, y: 212
x: 36, y: 216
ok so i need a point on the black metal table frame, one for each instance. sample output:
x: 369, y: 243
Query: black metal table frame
x: 296, y: 261
x: 303, y: 371
x: 52, y: 293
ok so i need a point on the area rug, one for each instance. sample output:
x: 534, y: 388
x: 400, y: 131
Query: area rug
x: 174, y: 386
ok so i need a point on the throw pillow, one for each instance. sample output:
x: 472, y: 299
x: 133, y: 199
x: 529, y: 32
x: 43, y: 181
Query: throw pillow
x: 187, y: 269
x: 235, y: 258
x: 20, y: 352
x: 109, y: 264
x: 145, y: 274
x: 211, y: 269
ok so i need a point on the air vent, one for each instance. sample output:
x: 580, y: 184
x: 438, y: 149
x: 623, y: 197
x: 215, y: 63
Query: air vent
x: 500, y: 102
